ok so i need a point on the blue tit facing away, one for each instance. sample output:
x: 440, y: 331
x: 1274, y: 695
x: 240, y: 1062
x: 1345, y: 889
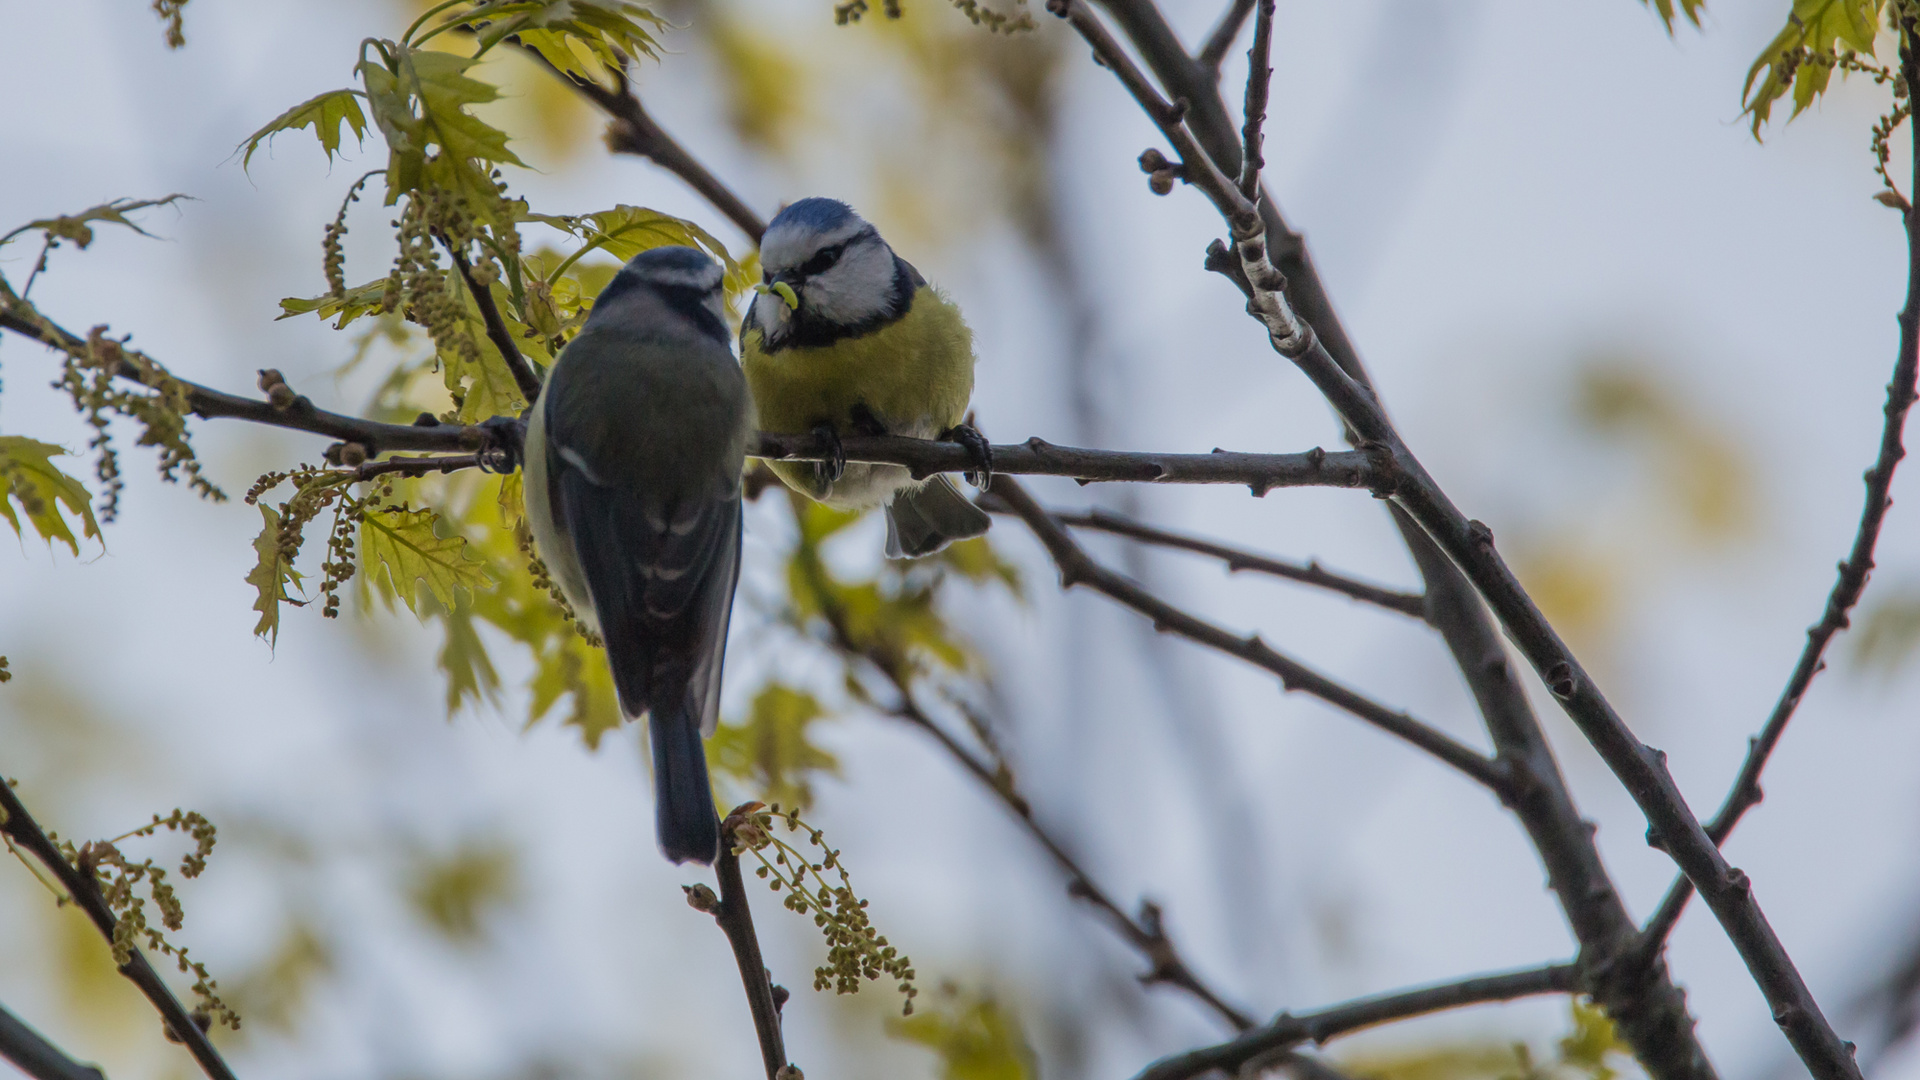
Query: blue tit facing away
x: 633, y: 463
x: 846, y: 336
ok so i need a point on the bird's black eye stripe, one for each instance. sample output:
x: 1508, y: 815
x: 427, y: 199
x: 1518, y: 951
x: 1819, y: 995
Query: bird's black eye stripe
x: 822, y: 260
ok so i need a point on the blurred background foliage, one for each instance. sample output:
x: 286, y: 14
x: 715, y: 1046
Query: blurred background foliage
x: 942, y: 133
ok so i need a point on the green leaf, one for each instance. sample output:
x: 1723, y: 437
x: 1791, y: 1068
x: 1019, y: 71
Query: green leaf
x: 771, y: 752
x: 29, y: 477
x: 368, y: 299
x: 324, y: 113
x: 405, y: 543
x: 975, y: 1038
x: 438, y: 82
x: 1822, y: 28
x: 270, y: 576
x: 78, y: 227
x: 469, y: 670
x: 1690, y: 8
x: 626, y: 231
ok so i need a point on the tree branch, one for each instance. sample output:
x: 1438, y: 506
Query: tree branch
x: 1076, y: 568
x: 36, y: 1056
x: 1311, y: 573
x: 1259, y: 83
x: 298, y: 415
x: 84, y: 889
x: 1640, y: 769
x: 1224, y: 31
x: 1852, y: 580
x: 1146, y: 933
x: 631, y: 130
x: 1641, y: 999
x: 735, y: 917
x: 497, y: 332
x: 1318, y: 1027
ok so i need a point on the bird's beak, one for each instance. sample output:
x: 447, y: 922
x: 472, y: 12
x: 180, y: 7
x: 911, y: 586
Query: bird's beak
x: 782, y: 290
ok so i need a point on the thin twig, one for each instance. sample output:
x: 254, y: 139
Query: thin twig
x: 631, y: 130
x: 1224, y: 31
x: 497, y: 332
x: 417, y: 466
x: 736, y: 919
x: 1259, y: 84
x: 1311, y: 573
x: 1648, y: 1008
x: 84, y: 889
x: 1640, y: 768
x: 1146, y: 933
x: 1317, y: 1027
x: 300, y: 415
x: 1077, y: 568
x: 37, y: 1057
x: 1852, y: 579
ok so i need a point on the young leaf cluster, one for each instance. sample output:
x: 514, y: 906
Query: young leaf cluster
x: 95, y: 372
x: 120, y: 878
x: 856, y: 951
x: 1820, y: 36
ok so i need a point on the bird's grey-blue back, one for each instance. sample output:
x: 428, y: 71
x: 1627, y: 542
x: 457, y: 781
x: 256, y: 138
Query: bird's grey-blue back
x: 634, y: 456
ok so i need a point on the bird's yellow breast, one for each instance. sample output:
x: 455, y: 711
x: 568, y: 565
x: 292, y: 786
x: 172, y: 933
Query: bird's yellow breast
x: 915, y: 374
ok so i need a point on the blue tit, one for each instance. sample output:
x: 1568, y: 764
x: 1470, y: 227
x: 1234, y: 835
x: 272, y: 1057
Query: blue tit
x: 846, y: 336
x: 633, y: 464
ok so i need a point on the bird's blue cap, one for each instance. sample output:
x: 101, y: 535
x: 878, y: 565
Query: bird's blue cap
x: 674, y: 267
x: 817, y: 214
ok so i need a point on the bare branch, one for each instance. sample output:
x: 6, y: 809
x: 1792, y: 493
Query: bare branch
x: 1852, y: 580
x: 1260, y: 473
x: 1196, y: 167
x: 735, y: 917
x: 1317, y: 1027
x: 497, y: 332
x: 1076, y: 568
x: 84, y: 889
x: 1640, y: 769
x: 1311, y: 573
x: 1224, y: 31
x: 36, y: 1056
x: 1259, y: 82
x: 631, y: 130
x: 1146, y: 933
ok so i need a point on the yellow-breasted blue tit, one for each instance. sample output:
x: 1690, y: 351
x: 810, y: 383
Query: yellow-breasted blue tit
x: 633, y: 463
x: 846, y: 336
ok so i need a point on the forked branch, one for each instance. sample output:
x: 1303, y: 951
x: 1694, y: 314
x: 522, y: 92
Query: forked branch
x: 1287, y: 1030
x: 1077, y: 568
x: 1852, y: 579
x: 84, y: 890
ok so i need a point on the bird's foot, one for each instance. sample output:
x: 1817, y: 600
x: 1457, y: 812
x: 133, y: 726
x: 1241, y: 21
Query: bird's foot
x: 504, y: 448
x: 834, y: 463
x: 977, y: 448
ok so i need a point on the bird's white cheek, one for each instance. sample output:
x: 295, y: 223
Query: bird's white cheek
x: 770, y: 314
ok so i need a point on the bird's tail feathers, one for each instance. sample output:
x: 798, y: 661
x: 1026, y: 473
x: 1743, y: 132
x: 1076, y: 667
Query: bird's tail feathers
x: 924, y: 520
x: 683, y: 813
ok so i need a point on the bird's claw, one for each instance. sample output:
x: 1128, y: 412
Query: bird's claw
x: 834, y: 456
x: 977, y: 448
x: 504, y: 447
